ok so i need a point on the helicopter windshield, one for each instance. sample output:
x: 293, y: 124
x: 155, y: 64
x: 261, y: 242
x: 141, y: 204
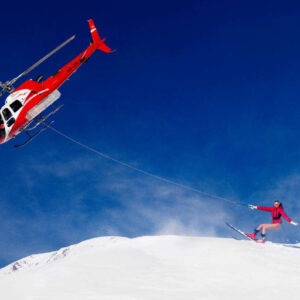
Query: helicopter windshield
x: 2, y: 129
x: 8, y: 116
x: 6, y: 113
x: 2, y: 133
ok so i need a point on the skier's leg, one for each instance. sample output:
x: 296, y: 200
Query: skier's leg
x: 265, y: 227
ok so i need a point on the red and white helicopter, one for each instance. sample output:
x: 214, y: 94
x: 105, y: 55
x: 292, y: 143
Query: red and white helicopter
x: 22, y: 108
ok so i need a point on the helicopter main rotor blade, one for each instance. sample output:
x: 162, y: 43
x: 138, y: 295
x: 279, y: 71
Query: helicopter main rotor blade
x: 10, y: 83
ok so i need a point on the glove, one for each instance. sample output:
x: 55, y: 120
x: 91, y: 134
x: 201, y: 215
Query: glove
x: 252, y: 206
x: 294, y: 223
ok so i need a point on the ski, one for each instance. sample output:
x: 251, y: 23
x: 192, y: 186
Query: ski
x: 242, y: 233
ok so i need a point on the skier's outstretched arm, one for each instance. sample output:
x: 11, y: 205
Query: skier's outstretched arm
x: 287, y: 218
x: 264, y: 208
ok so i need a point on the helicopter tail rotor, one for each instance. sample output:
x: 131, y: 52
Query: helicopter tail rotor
x: 99, y: 43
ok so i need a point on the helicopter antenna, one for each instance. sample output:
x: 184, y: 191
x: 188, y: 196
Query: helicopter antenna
x: 8, y: 85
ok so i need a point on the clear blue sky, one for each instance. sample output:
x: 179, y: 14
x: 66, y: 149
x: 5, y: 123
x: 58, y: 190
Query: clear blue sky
x: 204, y: 93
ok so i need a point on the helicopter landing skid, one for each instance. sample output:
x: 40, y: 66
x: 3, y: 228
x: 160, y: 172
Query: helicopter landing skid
x: 31, y: 137
x: 38, y: 121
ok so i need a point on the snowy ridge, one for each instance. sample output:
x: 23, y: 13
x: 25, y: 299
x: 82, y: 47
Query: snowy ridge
x: 157, y: 267
x: 34, y: 261
x: 40, y: 260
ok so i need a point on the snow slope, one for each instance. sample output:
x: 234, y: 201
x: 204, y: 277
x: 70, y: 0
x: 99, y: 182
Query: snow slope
x: 158, y: 267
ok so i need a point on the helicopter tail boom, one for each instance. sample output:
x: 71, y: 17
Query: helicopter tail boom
x: 97, y: 41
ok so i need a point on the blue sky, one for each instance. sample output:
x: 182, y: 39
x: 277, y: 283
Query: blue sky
x: 203, y: 93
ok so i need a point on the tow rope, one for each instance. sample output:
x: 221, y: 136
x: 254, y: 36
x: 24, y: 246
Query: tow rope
x: 157, y: 177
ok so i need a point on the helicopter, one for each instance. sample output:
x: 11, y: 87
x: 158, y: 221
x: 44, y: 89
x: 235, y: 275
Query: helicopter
x: 24, y: 105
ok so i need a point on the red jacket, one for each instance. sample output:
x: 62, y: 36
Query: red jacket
x: 277, y: 213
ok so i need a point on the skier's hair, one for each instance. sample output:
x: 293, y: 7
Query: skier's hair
x: 280, y: 204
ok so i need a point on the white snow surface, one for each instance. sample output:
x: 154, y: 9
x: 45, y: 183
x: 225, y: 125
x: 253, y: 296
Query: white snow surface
x: 156, y: 267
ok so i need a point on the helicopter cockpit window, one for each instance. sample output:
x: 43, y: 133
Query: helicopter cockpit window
x: 1, y: 120
x: 10, y: 122
x: 16, y: 105
x: 6, y: 113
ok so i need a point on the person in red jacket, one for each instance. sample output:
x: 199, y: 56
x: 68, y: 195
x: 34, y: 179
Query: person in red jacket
x: 277, y: 212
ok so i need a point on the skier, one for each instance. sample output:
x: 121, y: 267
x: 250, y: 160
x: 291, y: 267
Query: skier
x: 277, y: 212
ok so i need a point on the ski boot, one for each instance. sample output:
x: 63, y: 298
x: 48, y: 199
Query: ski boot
x: 252, y: 236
